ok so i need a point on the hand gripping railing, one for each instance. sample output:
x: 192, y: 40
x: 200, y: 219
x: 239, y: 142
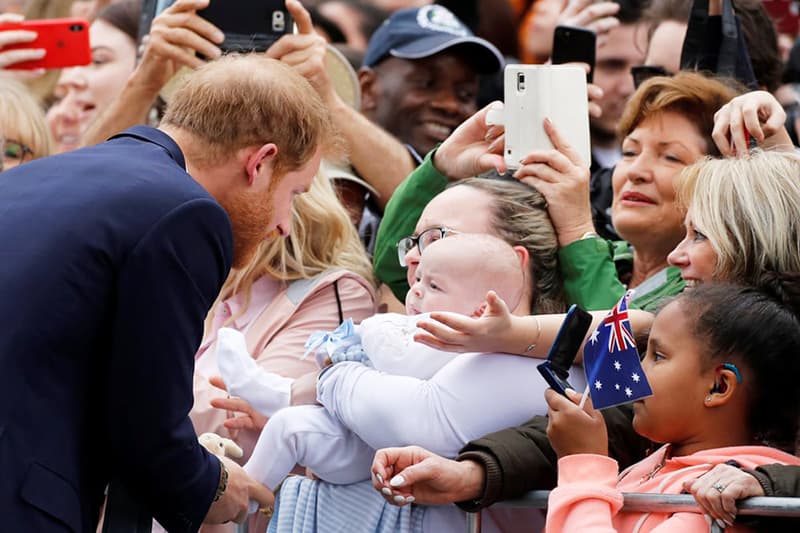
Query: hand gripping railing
x: 661, y: 503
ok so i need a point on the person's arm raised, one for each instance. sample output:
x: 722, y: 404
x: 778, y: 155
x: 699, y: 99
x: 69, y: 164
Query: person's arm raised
x: 175, y: 38
x: 757, y: 114
x: 305, y: 52
x: 473, y: 148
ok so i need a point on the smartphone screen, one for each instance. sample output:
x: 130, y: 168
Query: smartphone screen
x: 574, y: 45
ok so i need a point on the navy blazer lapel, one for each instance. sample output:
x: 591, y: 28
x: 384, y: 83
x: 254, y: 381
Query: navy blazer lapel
x: 155, y: 136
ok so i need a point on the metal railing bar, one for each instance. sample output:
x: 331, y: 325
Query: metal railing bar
x: 769, y: 506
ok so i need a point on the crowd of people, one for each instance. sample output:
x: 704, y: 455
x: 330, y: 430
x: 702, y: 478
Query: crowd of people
x: 319, y: 252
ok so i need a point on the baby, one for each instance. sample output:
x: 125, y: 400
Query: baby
x: 454, y: 275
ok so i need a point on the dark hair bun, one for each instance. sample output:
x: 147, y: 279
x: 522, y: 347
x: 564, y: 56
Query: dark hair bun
x: 784, y: 287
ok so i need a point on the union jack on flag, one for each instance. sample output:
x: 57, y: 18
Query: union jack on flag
x: 613, y: 370
x: 620, y: 336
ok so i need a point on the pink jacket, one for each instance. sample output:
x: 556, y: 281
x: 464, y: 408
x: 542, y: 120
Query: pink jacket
x: 589, y: 492
x: 276, y: 326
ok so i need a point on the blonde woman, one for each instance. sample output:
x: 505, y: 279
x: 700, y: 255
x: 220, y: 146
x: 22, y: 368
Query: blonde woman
x: 23, y: 131
x: 309, y: 281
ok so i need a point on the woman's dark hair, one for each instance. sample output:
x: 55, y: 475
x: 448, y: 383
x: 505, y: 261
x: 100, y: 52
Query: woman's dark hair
x: 124, y: 16
x: 757, y: 329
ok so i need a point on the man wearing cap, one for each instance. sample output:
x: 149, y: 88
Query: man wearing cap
x: 419, y: 78
x: 419, y: 81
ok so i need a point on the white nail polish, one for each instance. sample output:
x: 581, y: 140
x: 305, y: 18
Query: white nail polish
x: 399, y: 499
x: 708, y: 519
x: 410, y: 499
x: 396, y: 481
x: 386, y: 491
x: 380, y: 477
x: 721, y: 523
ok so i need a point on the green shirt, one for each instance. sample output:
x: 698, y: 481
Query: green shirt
x: 400, y: 219
x: 589, y: 269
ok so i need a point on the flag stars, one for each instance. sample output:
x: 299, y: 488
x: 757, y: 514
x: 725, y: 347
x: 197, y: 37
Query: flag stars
x: 593, y: 338
x: 635, y: 377
x: 628, y: 392
x: 598, y: 385
x: 616, y: 386
x: 617, y: 366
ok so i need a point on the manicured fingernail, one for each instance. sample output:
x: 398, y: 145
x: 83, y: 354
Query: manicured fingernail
x: 708, y: 519
x: 721, y: 523
x: 379, y: 477
x: 386, y: 491
x: 396, y: 481
x: 399, y: 499
x: 410, y: 499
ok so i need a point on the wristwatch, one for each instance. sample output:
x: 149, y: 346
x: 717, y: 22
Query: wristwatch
x: 223, y: 481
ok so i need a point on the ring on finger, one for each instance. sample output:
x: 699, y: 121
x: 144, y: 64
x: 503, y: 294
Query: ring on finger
x: 719, y: 487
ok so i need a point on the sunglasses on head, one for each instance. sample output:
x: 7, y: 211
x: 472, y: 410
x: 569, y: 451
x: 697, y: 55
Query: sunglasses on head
x: 642, y: 73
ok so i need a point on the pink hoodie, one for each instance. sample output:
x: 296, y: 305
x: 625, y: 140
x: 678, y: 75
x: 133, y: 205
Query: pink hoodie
x: 589, y: 492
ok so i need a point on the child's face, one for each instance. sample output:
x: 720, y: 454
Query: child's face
x: 438, y: 287
x: 673, y: 366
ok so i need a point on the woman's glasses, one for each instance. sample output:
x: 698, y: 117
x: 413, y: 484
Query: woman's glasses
x: 14, y: 153
x: 422, y: 240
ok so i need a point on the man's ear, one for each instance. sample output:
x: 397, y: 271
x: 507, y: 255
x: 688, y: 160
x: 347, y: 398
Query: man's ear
x: 258, y: 159
x: 370, y: 89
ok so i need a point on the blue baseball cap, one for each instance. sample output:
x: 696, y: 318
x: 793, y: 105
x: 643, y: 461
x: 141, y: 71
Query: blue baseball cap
x: 426, y: 31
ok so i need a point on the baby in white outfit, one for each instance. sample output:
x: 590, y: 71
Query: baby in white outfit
x: 454, y: 274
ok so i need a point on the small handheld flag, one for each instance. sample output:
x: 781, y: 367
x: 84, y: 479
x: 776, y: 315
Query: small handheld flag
x: 613, y: 371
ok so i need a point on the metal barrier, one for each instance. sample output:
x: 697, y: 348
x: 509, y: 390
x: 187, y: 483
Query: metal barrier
x: 662, y: 503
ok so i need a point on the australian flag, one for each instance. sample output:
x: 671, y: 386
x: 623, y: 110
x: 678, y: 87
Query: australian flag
x: 613, y: 371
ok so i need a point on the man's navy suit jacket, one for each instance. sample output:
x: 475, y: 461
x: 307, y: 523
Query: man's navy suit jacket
x: 110, y: 258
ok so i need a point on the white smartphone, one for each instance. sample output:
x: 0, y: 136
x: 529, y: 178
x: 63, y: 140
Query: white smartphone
x: 536, y: 92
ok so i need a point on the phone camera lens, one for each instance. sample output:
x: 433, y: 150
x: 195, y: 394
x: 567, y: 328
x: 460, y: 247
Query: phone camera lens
x: 520, y: 81
x: 76, y: 27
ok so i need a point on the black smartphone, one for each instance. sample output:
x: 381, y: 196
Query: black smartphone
x: 555, y: 370
x: 248, y: 25
x: 574, y: 45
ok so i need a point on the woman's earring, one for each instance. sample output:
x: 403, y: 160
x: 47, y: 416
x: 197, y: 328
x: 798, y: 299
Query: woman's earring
x: 708, y: 398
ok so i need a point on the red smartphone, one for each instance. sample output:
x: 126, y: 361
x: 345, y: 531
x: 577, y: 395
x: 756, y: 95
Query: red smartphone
x: 65, y: 40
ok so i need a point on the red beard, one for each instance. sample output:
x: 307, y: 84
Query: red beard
x: 250, y: 216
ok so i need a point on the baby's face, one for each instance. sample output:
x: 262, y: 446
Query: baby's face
x: 440, y: 285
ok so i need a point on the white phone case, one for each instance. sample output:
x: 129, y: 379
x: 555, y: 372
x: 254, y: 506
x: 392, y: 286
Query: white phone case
x: 536, y: 92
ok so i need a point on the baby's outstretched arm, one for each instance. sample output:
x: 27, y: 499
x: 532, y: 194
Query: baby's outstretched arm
x: 497, y: 330
x: 266, y: 392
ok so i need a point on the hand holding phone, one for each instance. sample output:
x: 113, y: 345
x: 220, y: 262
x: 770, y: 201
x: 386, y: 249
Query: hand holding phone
x: 574, y: 45
x: 555, y: 370
x: 535, y: 92
x: 248, y: 25
x: 44, y: 44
